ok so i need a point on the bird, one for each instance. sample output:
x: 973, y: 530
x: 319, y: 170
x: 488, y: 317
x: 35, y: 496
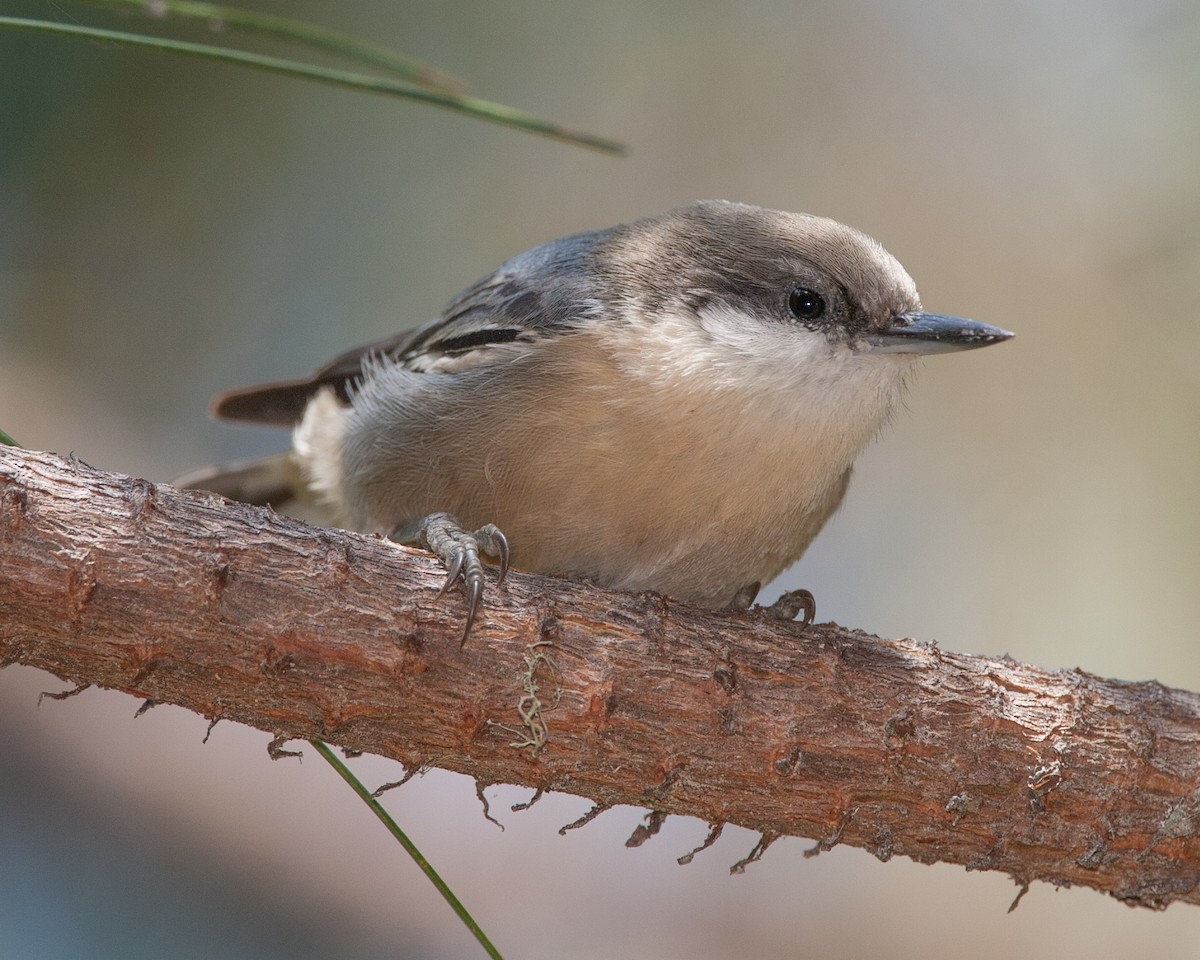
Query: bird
x: 673, y: 404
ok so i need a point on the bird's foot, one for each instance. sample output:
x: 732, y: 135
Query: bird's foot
x: 785, y: 608
x: 792, y: 603
x: 459, y: 550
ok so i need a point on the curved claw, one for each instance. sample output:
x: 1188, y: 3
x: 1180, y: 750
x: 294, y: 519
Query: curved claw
x: 500, y: 545
x: 809, y: 607
x: 474, y: 590
x: 453, y: 569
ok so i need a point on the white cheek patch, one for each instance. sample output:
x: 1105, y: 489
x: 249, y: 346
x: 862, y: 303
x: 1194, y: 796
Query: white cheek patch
x: 775, y: 372
x: 755, y: 340
x: 718, y: 348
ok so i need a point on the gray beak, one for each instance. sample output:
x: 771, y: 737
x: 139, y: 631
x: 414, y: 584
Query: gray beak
x: 933, y: 333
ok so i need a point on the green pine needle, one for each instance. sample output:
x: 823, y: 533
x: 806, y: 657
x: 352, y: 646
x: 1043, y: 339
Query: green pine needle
x: 299, y: 32
x: 394, y: 828
x: 473, y: 106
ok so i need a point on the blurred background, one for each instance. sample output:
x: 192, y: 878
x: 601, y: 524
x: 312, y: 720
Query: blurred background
x: 171, y: 228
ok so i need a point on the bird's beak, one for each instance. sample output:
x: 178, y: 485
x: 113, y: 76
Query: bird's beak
x: 932, y: 333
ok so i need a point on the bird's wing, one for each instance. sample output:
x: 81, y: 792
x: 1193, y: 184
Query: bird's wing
x: 541, y: 293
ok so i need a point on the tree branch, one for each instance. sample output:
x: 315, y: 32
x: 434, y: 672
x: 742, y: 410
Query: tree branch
x: 893, y: 746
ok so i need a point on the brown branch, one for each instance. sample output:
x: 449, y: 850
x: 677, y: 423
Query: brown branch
x: 894, y: 746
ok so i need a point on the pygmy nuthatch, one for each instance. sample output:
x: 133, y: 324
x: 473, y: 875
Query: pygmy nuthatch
x: 674, y: 404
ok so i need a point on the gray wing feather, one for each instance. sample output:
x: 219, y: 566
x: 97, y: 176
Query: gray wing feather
x: 540, y: 293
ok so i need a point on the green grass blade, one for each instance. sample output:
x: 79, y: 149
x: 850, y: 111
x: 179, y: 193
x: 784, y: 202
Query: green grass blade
x: 299, y: 32
x: 394, y: 828
x: 7, y: 441
x: 473, y: 106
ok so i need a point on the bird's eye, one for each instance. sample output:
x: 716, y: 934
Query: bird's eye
x: 806, y: 305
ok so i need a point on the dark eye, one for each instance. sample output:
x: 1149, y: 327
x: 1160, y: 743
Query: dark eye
x: 806, y: 305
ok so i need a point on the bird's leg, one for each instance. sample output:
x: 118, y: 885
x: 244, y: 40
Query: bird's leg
x: 744, y: 598
x: 459, y: 550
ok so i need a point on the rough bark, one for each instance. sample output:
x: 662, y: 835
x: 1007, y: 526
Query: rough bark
x: 891, y: 745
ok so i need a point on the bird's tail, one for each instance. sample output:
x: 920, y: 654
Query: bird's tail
x: 269, y: 481
x: 275, y: 482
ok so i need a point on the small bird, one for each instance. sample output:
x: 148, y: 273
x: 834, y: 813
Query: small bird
x: 674, y: 404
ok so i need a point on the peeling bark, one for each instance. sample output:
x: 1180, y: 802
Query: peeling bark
x: 890, y: 745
